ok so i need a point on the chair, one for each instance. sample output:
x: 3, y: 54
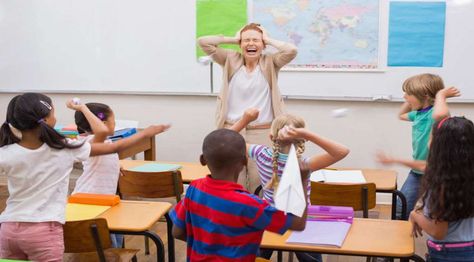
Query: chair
x: 357, y: 196
x: 87, y: 236
x: 152, y: 185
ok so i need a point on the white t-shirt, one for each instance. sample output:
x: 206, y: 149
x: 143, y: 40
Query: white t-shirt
x: 100, y: 174
x: 248, y: 90
x: 38, y: 181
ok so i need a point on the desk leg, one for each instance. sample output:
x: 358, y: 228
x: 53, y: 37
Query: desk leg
x: 160, y: 247
x: 150, y: 153
x: 404, y: 204
x: 169, y: 225
x: 417, y: 258
x: 394, y: 206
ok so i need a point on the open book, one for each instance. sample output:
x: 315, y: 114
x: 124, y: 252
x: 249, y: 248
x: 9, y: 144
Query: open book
x: 326, y: 233
x: 338, y: 176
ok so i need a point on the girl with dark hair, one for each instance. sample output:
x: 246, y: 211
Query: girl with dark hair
x: 37, y: 162
x: 101, y: 173
x: 446, y: 209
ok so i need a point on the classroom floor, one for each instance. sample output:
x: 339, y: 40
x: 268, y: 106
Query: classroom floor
x: 380, y: 211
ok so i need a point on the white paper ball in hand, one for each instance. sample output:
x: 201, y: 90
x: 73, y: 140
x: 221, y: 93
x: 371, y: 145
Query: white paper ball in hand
x: 76, y: 101
x: 340, y: 112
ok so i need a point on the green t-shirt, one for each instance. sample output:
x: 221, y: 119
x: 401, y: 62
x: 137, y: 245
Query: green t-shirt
x: 420, y: 134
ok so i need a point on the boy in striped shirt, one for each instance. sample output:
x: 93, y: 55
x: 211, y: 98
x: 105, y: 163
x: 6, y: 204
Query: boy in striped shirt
x: 218, y: 218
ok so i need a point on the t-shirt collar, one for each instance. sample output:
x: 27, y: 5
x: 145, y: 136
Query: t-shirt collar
x: 223, y: 184
x: 424, y: 110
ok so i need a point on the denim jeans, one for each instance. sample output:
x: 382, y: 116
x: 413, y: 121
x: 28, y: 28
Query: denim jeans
x: 117, y: 240
x: 411, y: 190
x: 302, y: 256
x: 452, y: 254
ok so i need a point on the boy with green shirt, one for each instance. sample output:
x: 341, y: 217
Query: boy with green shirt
x: 425, y: 103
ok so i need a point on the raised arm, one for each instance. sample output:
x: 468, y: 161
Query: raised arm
x: 404, y: 110
x: 286, y: 51
x: 441, y: 109
x: 98, y: 127
x: 108, y: 148
x: 210, y: 46
x: 334, y: 150
x: 249, y: 115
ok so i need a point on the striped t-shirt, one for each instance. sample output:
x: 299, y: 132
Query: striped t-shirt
x: 263, y: 156
x: 224, y: 222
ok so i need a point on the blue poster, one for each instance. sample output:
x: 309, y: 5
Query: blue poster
x: 416, y: 34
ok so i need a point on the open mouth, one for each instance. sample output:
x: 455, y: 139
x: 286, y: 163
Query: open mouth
x: 251, y: 50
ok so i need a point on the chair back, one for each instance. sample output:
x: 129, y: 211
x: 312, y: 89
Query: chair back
x: 151, y: 184
x: 90, y: 235
x: 357, y: 196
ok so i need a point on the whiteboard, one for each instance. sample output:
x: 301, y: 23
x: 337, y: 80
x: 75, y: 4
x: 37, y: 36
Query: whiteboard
x: 100, y: 46
x: 148, y: 46
x: 386, y: 84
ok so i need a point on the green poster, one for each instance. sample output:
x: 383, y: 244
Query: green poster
x: 215, y: 17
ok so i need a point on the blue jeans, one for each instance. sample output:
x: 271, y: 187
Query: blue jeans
x: 452, y: 254
x: 411, y: 190
x: 302, y: 256
x: 117, y: 240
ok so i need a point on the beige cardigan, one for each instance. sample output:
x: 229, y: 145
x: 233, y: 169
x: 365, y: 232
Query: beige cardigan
x: 231, y: 61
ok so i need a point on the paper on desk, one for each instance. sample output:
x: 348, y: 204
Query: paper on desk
x: 321, y: 233
x: 155, y: 167
x: 338, y: 176
x: 82, y: 211
x: 290, y: 196
x: 122, y: 124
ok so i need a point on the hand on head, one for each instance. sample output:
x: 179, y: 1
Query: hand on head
x: 288, y: 133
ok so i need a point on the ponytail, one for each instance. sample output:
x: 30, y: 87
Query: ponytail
x: 7, y: 137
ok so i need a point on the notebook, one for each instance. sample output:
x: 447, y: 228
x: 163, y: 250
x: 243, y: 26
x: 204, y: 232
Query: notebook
x: 325, y: 233
x: 338, y: 176
x: 330, y: 213
x: 155, y: 167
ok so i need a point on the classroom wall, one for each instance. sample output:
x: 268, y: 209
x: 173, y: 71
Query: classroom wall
x: 368, y: 127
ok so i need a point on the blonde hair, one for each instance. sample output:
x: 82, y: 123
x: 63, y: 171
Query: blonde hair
x: 423, y: 87
x: 277, y: 124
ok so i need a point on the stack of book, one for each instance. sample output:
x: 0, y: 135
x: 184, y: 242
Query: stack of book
x: 326, y: 225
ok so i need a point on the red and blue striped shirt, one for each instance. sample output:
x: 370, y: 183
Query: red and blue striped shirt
x: 224, y: 222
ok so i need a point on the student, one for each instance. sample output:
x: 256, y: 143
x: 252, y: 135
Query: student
x: 218, y: 218
x: 287, y: 130
x: 101, y: 173
x: 446, y: 212
x: 421, y: 92
x: 37, y: 162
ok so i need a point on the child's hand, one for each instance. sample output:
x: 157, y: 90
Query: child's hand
x: 250, y: 114
x: 155, y: 129
x: 288, y: 133
x: 416, y: 230
x: 450, y: 92
x: 74, y: 106
x: 384, y: 159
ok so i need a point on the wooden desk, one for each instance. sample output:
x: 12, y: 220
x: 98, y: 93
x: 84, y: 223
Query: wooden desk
x: 367, y: 237
x: 137, y: 218
x: 147, y: 146
x: 190, y: 171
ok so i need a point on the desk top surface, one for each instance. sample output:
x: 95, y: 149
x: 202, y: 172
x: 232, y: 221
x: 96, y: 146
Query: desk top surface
x: 383, y: 179
x: 370, y: 237
x: 190, y: 170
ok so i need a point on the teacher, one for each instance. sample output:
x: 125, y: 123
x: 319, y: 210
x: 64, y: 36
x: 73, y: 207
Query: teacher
x: 249, y: 81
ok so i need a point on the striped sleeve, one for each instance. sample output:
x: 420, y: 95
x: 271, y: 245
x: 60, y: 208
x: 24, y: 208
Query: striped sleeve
x: 178, y: 214
x: 272, y: 219
x: 254, y: 151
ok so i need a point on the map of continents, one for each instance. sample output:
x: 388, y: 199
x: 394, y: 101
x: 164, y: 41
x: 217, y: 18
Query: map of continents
x: 339, y: 34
